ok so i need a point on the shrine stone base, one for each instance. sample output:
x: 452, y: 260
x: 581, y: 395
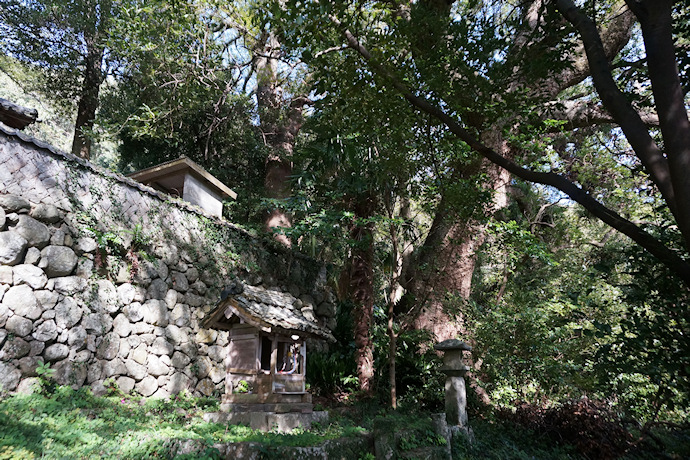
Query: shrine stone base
x: 266, y: 421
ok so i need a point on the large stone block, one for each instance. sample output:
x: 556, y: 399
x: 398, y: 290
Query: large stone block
x: 206, y: 387
x: 109, y: 347
x: 56, y: 352
x: 46, y: 331
x: 122, y: 326
x: 178, y: 382
x: 140, y: 353
x: 33, y: 231
x: 176, y: 335
x: 12, y: 248
x: 85, y: 268
x: 46, y: 299
x: 217, y: 374
x: 134, y: 312
x: 76, y: 338
x: 147, y: 386
x: 179, y: 281
x: 46, y: 213
x: 19, y: 326
x: 157, y: 290
x: 94, y: 372
x: 192, y: 274
x: 9, y: 376
x: 15, y: 348
x: 99, y: 323
x: 124, y: 349
x: 13, y: 203
x: 206, y: 336
x: 125, y: 384
x: 216, y: 353
x: 6, y: 276
x: 69, y: 285
x: 22, y: 301
x: 180, y: 360
x: 181, y: 315
x: 85, y: 245
x: 32, y: 256
x: 107, y: 298
x: 113, y: 368
x: 161, y: 346
x: 36, y: 348
x: 125, y: 294
x: 58, y: 261
x: 156, y: 367
x: 67, y: 313
x: 326, y: 309
x: 29, y: 274
x: 135, y: 369
x: 203, y: 367
x: 70, y: 373
x: 156, y: 312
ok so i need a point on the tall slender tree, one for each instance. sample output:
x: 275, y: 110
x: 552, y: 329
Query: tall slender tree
x: 67, y: 41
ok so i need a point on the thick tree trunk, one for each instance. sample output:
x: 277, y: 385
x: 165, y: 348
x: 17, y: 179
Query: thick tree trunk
x: 361, y: 290
x: 88, y: 101
x: 445, y: 263
x: 280, y: 124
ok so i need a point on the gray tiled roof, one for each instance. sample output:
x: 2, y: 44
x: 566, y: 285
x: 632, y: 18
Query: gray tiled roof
x: 16, y: 116
x: 270, y: 311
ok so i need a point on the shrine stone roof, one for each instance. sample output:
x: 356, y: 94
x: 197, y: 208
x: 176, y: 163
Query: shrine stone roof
x: 16, y: 116
x: 268, y: 310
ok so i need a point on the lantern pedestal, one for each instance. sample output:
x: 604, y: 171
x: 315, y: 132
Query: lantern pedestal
x: 455, y: 370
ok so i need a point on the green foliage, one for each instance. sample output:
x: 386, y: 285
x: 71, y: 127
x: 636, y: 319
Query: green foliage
x: 18, y: 83
x: 647, y: 355
x: 494, y: 440
x: 334, y: 371
x: 419, y: 379
x: 564, y: 309
x: 242, y: 387
x: 180, y: 93
x: 76, y: 424
x: 46, y: 378
x: 52, y: 35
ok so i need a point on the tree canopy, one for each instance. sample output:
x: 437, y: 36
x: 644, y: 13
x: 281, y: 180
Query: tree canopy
x: 515, y: 173
x: 466, y: 65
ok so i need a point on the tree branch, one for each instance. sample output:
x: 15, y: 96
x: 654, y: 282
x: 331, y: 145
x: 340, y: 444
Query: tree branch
x: 617, y: 104
x: 667, y: 256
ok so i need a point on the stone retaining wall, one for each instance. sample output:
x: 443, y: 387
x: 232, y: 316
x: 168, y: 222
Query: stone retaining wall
x: 107, y: 279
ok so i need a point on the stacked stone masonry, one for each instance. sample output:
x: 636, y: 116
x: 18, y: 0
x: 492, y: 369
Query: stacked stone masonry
x: 108, y: 280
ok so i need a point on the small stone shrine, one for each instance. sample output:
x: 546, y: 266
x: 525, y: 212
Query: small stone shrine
x: 455, y: 370
x: 187, y: 180
x: 266, y: 354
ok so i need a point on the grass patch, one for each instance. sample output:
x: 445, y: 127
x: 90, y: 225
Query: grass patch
x: 76, y: 424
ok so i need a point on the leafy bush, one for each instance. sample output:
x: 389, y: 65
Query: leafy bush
x: 590, y: 426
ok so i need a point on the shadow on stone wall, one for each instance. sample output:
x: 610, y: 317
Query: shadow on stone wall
x: 107, y: 279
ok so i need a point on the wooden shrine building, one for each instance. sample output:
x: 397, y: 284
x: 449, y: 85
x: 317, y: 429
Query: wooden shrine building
x: 266, y: 354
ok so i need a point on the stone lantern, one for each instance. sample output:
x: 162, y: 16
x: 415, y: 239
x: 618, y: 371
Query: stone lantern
x: 455, y: 370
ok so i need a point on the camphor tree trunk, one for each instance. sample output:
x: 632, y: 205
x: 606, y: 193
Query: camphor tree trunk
x: 446, y: 261
x: 361, y: 288
x: 445, y: 264
x: 88, y: 100
x: 281, y: 121
x: 96, y: 20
